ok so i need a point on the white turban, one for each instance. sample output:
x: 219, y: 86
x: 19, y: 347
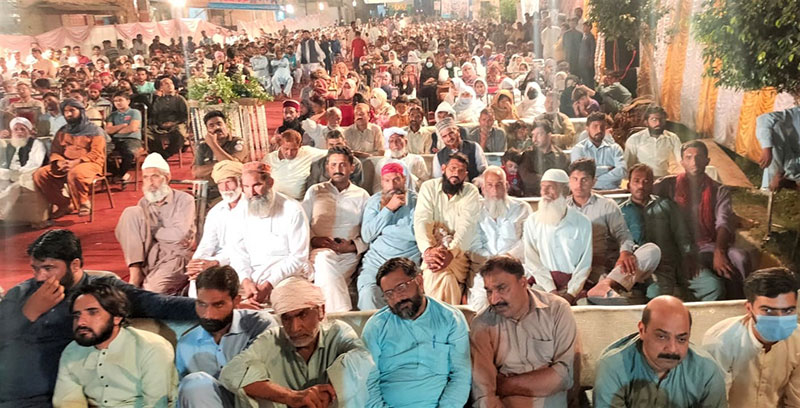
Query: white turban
x: 22, y: 121
x: 295, y: 293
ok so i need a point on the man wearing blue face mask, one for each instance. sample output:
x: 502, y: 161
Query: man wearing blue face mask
x: 761, y: 350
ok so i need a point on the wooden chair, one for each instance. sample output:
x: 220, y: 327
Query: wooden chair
x: 199, y: 190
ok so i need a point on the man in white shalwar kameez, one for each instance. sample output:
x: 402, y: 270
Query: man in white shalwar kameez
x: 20, y: 157
x: 499, y: 228
x: 557, y: 241
x: 445, y: 224
x: 291, y: 164
x: 273, y: 241
x: 222, y: 224
x: 335, y: 209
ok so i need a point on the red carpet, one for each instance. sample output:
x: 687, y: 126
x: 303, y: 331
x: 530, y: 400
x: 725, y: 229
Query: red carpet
x: 100, y: 248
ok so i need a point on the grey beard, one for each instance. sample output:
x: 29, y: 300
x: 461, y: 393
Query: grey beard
x: 398, y: 154
x: 496, y: 207
x: 261, y: 206
x: 551, y: 212
x: 230, y: 196
x: 153, y: 197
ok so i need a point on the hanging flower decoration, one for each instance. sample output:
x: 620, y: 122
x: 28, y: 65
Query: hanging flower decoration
x: 221, y: 89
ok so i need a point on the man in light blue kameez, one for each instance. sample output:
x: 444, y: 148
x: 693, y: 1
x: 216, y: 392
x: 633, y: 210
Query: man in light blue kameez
x: 388, y: 228
x: 657, y: 367
x: 779, y: 136
x: 420, y: 345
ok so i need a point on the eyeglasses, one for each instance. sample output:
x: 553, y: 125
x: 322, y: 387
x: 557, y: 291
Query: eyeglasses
x: 399, y: 289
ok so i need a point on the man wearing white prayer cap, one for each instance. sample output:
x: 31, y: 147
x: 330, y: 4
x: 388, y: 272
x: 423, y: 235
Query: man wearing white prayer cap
x: 20, y: 156
x: 557, y: 241
x: 158, y: 233
x: 416, y: 170
x: 306, y: 362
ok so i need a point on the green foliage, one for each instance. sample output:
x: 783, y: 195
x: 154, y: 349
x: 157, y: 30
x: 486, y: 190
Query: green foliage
x: 508, y: 11
x: 222, y: 89
x: 489, y: 12
x: 751, y: 44
x: 627, y: 21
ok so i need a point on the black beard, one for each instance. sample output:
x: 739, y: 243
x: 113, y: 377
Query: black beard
x: 73, y: 121
x: 654, y: 131
x: 215, y: 325
x: 411, y: 308
x: 92, y: 339
x: 68, y: 280
x: 450, y: 188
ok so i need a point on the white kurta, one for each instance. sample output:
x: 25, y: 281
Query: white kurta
x: 220, y: 232
x: 271, y: 249
x: 290, y: 175
x: 335, y: 214
x: 498, y: 237
x: 565, y: 247
x: 451, y: 222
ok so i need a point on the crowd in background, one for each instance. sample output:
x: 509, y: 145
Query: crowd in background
x: 394, y: 183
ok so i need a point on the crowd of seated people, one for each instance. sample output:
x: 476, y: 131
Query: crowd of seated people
x: 407, y: 184
x: 69, y: 331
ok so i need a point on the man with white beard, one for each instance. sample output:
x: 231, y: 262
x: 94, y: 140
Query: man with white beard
x: 20, y: 156
x: 335, y: 209
x: 158, y: 233
x: 317, y: 132
x: 499, y: 227
x: 273, y: 240
x: 222, y: 222
x: 557, y: 241
x: 398, y: 151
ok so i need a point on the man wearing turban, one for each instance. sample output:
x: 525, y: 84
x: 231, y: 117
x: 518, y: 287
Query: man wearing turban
x: 307, y: 361
x: 77, y: 155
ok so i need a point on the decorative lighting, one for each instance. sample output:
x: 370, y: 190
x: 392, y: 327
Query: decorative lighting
x: 177, y: 3
x: 290, y: 9
x: 321, y: 6
x: 354, y: 3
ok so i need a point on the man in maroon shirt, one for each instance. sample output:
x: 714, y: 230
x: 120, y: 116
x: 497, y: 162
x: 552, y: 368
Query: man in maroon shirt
x: 359, y: 47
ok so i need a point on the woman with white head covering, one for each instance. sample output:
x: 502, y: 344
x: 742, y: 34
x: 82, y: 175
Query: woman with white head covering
x: 480, y: 70
x: 467, y: 107
x: 393, y: 61
x: 383, y: 109
x: 468, y: 74
x: 20, y: 156
x: 532, y: 104
x: 482, y: 91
